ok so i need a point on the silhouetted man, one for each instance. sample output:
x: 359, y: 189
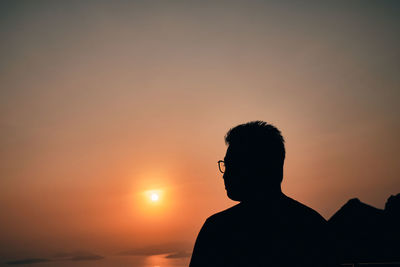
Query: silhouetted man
x: 266, y: 228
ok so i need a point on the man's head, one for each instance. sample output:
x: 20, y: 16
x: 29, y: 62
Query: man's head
x: 254, y: 160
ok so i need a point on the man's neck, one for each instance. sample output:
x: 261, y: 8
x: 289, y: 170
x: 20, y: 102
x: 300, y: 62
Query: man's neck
x: 264, y: 197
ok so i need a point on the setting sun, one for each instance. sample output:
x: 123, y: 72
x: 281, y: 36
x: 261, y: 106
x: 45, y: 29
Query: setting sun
x: 154, y: 197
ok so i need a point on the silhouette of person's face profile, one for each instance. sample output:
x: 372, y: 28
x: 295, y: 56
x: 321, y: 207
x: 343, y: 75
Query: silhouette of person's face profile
x: 242, y: 177
x: 253, y: 161
x: 235, y: 173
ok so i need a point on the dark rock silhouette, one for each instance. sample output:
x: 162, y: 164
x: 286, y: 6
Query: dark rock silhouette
x: 392, y: 207
x: 367, y: 234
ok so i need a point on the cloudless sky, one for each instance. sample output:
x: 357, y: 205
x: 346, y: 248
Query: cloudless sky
x: 101, y: 102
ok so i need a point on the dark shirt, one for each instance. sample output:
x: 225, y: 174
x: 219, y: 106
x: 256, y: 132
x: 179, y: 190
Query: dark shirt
x: 282, y: 232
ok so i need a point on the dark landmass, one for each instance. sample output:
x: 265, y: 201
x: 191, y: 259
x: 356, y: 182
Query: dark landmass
x: 157, y: 249
x: 78, y: 256
x: 63, y: 256
x: 86, y: 257
x: 179, y: 254
x: 363, y: 233
x: 27, y: 261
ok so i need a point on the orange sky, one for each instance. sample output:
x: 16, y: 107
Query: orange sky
x: 102, y: 102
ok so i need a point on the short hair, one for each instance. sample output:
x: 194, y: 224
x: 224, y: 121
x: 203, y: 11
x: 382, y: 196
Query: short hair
x: 262, y: 142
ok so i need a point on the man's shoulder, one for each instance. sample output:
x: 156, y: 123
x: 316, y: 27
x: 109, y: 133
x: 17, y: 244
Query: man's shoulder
x: 302, y: 211
x: 225, y: 215
x: 290, y: 209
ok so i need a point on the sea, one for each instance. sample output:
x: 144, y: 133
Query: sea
x: 115, y: 261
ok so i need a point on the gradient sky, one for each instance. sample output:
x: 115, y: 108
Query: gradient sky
x: 102, y: 101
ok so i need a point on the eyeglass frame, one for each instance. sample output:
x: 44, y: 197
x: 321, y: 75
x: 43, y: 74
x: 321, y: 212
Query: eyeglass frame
x: 219, y: 166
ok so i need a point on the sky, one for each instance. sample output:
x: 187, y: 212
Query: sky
x: 105, y: 102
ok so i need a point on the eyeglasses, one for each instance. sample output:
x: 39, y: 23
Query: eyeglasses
x: 221, y: 166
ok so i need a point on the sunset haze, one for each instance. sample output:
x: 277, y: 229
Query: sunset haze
x: 104, y: 104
